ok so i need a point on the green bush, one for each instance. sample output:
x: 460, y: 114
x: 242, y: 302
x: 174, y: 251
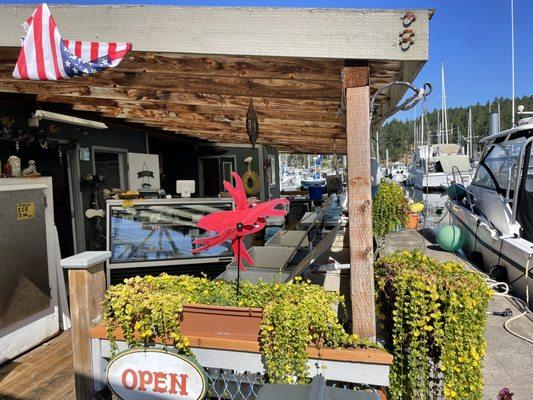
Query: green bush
x: 434, y: 316
x: 295, y: 315
x: 389, y: 208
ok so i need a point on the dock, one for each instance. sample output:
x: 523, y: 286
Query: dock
x: 508, y: 360
x: 44, y: 373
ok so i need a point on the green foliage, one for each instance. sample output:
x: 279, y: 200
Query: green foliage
x: 389, y: 209
x: 435, y: 315
x: 397, y: 135
x: 295, y: 315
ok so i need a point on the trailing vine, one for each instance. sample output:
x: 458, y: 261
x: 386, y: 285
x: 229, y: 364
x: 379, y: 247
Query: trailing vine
x: 389, y: 209
x: 434, y: 315
x: 295, y: 316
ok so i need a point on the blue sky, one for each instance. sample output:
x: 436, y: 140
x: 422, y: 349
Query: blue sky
x: 472, y: 38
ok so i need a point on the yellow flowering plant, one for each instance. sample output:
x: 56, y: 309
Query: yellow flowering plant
x: 295, y: 316
x: 434, y: 317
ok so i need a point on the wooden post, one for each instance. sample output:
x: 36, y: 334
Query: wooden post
x: 357, y: 98
x: 87, y: 288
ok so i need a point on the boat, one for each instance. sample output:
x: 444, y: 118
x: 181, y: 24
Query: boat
x: 432, y: 166
x: 494, y: 211
x: 398, y: 172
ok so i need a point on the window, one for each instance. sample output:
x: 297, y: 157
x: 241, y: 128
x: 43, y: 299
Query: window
x: 529, y: 177
x: 502, y: 162
x: 483, y: 178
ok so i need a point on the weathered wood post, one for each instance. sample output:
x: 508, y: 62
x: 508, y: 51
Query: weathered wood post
x: 87, y: 286
x: 357, y: 106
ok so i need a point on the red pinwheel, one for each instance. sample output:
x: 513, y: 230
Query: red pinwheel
x: 234, y: 225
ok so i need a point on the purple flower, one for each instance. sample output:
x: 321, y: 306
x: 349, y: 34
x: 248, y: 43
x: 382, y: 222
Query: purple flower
x: 505, y: 394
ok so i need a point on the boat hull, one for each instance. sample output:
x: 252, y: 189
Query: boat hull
x: 512, y: 253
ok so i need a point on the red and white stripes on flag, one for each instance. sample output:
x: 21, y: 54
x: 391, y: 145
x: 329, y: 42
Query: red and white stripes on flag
x: 46, y: 56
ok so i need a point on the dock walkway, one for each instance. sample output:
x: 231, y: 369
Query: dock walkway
x: 509, y: 360
x: 44, y: 373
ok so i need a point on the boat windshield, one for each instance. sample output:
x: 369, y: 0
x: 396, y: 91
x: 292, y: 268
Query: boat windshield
x: 498, y: 169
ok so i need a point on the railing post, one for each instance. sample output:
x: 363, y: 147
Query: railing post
x: 87, y: 286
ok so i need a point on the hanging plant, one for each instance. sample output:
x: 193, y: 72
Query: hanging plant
x: 389, y: 209
x: 434, y: 315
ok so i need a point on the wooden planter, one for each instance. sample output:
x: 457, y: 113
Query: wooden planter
x: 237, y: 323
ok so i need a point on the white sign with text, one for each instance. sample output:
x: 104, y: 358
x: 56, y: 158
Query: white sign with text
x: 155, y: 374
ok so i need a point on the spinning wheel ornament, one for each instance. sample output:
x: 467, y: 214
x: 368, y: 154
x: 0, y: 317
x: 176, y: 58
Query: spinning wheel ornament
x: 234, y: 225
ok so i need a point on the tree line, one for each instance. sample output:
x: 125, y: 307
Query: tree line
x: 397, y: 135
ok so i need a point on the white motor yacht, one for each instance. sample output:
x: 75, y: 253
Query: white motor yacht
x: 432, y: 165
x: 494, y: 212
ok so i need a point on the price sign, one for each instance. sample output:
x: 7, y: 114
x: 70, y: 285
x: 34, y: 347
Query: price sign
x: 25, y: 211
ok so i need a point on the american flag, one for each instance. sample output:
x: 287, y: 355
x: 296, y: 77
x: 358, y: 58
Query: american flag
x: 45, y: 56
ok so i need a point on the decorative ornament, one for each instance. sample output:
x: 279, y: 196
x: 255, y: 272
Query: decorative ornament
x: 252, y: 124
x: 30, y: 170
x: 14, y: 163
x: 233, y: 225
x: 252, y: 186
x: 145, y: 174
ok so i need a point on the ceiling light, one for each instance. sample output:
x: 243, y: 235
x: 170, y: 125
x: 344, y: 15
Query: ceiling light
x: 52, y: 116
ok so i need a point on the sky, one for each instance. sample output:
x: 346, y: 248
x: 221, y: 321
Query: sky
x: 471, y: 37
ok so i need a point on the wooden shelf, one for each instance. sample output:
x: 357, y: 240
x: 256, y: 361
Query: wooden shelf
x: 367, y: 356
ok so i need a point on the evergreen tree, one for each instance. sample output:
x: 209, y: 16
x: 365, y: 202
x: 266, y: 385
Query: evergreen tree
x: 397, y: 136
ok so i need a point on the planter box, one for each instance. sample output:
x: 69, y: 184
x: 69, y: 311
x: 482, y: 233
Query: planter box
x: 237, y: 323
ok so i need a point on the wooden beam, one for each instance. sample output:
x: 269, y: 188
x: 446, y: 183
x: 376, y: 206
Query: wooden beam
x: 77, y: 89
x: 262, y: 87
x: 262, y: 111
x: 214, y: 65
x: 360, y: 211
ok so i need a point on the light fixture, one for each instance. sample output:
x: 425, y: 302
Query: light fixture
x: 52, y: 116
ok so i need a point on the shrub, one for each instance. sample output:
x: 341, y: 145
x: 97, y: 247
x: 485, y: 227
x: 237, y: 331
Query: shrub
x: 295, y: 315
x: 434, y: 315
x: 389, y: 209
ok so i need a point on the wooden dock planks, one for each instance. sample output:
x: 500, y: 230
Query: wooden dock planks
x: 43, y: 373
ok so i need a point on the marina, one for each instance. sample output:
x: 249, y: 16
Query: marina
x: 259, y: 203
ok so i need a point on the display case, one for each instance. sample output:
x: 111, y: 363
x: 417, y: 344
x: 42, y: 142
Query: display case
x: 158, y: 233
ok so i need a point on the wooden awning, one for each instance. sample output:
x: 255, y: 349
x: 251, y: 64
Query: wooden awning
x: 298, y: 100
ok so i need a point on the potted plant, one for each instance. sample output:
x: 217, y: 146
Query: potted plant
x: 284, y: 319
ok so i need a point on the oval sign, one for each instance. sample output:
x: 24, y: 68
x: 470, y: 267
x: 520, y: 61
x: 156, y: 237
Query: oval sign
x: 155, y: 374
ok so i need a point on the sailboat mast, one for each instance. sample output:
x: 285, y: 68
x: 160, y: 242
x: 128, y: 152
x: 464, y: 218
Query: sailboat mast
x: 469, y: 134
x: 444, y: 106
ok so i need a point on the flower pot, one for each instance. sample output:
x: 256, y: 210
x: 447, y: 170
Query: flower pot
x: 412, y: 221
x: 237, y: 323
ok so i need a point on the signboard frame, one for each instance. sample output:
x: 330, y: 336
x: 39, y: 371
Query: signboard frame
x: 166, y: 351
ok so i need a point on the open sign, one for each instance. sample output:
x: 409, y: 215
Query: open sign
x: 155, y: 374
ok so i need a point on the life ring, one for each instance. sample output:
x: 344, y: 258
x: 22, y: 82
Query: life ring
x: 251, y: 183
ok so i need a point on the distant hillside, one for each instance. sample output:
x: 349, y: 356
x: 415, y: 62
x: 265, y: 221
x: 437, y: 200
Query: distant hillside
x: 397, y: 136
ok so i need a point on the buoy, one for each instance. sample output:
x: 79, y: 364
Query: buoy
x: 450, y: 238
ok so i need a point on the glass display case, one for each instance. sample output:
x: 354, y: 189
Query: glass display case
x: 159, y: 232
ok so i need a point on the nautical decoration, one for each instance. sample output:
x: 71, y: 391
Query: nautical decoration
x: 233, y: 225
x: 30, y: 170
x: 155, y: 373
x: 145, y: 174
x: 252, y: 124
x: 55, y: 58
x: 252, y: 186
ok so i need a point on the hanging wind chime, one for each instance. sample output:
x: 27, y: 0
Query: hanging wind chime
x: 252, y: 124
